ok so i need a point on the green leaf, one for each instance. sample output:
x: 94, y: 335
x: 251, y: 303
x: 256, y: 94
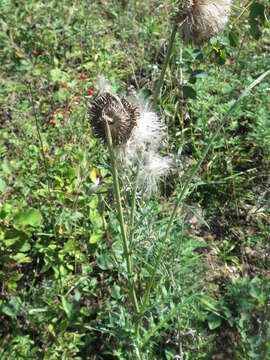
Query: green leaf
x: 222, y: 57
x: 25, y: 247
x: 200, y: 74
x: 209, y: 303
x: 14, y: 236
x: 3, y: 185
x: 77, y: 296
x: 116, y: 292
x: 257, y: 18
x: 234, y: 39
x: 105, y: 262
x: 6, y: 167
x: 189, y: 92
x: 56, y: 74
x: 214, y: 321
x: 197, y: 74
x: 12, y: 308
x: 198, y: 215
x: 28, y: 216
x: 22, y: 258
x: 95, y: 237
x: 37, y: 311
x: 66, y: 306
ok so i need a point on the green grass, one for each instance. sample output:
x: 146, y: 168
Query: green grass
x: 64, y: 284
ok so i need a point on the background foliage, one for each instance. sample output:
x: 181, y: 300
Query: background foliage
x: 62, y: 272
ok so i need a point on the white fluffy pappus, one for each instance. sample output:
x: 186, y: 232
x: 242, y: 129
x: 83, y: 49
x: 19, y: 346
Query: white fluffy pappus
x: 143, y: 146
x: 148, y: 134
x: 153, y: 167
x: 102, y: 85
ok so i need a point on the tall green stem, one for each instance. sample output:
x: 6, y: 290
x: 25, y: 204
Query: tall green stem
x: 122, y: 222
x: 165, y: 64
x: 185, y: 189
x: 133, y: 201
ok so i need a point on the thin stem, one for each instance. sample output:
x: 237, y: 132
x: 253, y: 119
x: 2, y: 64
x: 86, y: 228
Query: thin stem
x: 122, y: 222
x: 181, y: 102
x: 165, y: 64
x: 239, y: 51
x: 245, y: 8
x: 189, y: 180
x: 230, y: 169
x: 133, y: 201
x: 41, y: 144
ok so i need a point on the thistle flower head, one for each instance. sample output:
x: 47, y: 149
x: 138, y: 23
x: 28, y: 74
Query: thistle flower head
x: 136, y: 131
x: 120, y: 115
x: 201, y: 19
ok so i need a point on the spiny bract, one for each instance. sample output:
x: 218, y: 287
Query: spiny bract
x: 120, y: 115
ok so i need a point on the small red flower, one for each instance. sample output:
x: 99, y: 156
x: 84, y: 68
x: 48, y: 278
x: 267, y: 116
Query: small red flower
x: 54, y: 113
x: 53, y: 122
x: 91, y: 92
x: 78, y: 100
x: 63, y: 85
x: 83, y: 76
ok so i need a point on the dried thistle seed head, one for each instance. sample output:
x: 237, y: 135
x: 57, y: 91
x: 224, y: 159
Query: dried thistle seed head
x: 185, y: 6
x: 120, y: 115
x: 202, y: 19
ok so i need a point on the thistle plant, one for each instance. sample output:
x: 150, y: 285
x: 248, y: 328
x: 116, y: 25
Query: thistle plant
x: 104, y: 114
x: 197, y: 21
x: 135, y: 136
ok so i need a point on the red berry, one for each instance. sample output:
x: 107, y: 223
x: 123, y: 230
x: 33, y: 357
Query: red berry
x: 64, y: 85
x: 83, y: 76
x: 91, y: 92
x: 53, y: 122
x: 78, y: 101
